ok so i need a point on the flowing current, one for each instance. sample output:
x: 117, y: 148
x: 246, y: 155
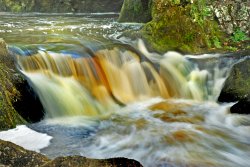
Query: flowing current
x: 107, y: 96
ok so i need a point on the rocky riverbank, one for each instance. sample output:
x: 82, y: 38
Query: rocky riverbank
x: 60, y: 6
x: 190, y: 26
x: 16, y: 156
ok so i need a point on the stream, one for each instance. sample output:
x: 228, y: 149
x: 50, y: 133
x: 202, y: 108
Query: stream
x: 105, y: 95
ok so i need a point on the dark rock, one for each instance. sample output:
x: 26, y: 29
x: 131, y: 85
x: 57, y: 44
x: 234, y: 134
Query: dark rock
x: 16, y: 156
x: 78, y: 161
x: 242, y: 107
x: 237, y: 87
x: 29, y: 105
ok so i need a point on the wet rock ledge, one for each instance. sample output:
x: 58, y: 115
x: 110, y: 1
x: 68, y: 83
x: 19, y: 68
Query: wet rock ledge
x: 17, y: 100
x: 12, y: 155
x: 237, y: 87
x: 9, y: 118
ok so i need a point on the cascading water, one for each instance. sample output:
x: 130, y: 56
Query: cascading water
x: 95, y: 86
x: 80, y: 86
x: 107, y: 100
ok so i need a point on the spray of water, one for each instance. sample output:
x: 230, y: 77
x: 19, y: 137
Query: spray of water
x: 169, y: 115
x: 90, y: 85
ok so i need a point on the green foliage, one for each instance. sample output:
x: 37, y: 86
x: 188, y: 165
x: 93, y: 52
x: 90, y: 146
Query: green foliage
x: 176, y: 2
x: 16, y: 5
x: 189, y: 37
x: 239, y: 36
x: 199, y: 11
x: 16, y: 8
x: 231, y: 48
x: 185, y: 26
x: 216, y: 42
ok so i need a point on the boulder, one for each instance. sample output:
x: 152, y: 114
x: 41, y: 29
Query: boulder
x: 78, y: 161
x: 9, y: 118
x: 182, y: 25
x: 237, y: 87
x: 16, y: 156
x: 136, y: 11
x: 17, y: 99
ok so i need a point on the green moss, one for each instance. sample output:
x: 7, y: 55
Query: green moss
x: 238, y: 83
x: 231, y: 48
x: 200, y: 11
x: 9, y: 118
x: 135, y: 11
x: 180, y: 25
x: 216, y: 42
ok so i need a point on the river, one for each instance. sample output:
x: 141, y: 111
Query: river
x: 106, y: 96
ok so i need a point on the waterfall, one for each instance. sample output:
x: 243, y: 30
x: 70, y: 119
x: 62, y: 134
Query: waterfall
x: 95, y: 85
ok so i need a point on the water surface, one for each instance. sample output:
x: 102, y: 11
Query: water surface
x: 107, y: 96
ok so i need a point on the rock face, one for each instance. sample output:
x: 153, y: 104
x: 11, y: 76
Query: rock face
x: 9, y: 118
x: 17, y: 100
x: 232, y: 14
x: 60, y: 6
x: 237, y: 88
x: 136, y: 11
x: 15, y: 156
x: 182, y: 25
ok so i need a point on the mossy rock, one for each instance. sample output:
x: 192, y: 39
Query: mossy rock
x: 9, y: 118
x: 182, y: 25
x: 136, y: 11
x: 16, y: 156
x: 237, y: 87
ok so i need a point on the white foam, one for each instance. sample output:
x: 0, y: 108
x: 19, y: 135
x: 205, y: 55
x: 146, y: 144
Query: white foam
x: 26, y: 138
x: 204, y: 56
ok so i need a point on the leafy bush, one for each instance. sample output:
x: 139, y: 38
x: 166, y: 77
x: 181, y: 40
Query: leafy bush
x: 239, y: 36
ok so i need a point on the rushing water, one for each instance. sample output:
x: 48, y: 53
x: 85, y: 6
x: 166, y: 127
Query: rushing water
x: 107, y: 96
